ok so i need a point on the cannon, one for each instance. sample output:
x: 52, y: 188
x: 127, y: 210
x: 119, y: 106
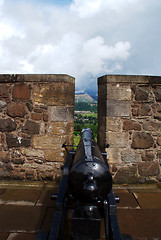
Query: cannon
x: 85, y: 189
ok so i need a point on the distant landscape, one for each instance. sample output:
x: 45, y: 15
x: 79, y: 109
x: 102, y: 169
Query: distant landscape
x: 85, y: 115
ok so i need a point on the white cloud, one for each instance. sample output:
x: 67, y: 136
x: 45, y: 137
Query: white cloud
x: 86, y: 8
x: 86, y: 39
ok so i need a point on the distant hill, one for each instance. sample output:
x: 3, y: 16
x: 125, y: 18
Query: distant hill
x: 84, y: 97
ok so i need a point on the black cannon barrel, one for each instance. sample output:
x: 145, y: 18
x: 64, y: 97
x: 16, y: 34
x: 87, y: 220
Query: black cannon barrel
x: 89, y: 178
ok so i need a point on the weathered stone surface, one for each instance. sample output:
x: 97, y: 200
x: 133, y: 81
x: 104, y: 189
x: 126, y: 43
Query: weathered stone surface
x: 7, y: 125
x: 148, y: 156
x: 48, y: 142
x: 61, y: 128
x: 117, y: 140
x: 126, y: 175
x: 157, y: 93
x: 2, y: 104
x: 54, y: 94
x: 130, y: 156
x: 119, y: 92
x: 31, y: 152
x: 131, y: 125
x: 118, y: 108
x: 159, y: 140
x: 113, y: 155
x: 31, y: 127
x: 142, y: 140
x: 16, y: 109
x: 13, y: 141
x: 4, y: 91
x: 36, y: 116
x: 141, y: 94
x: 113, y: 124
x: 21, y: 91
x: 61, y: 114
x: 144, y: 110
x: 151, y: 125
x: 55, y: 155
x: 148, y: 168
x: 4, y: 156
x: 4, y: 174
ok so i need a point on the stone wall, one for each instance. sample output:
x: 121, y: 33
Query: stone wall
x: 36, y: 119
x: 129, y: 120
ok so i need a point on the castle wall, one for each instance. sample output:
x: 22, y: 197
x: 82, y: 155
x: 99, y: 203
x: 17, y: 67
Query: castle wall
x: 129, y: 120
x: 36, y: 119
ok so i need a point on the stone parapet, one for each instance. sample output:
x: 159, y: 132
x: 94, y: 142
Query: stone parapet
x: 129, y: 120
x: 36, y: 119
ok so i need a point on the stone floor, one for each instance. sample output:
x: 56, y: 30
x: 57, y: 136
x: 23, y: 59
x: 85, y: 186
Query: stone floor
x: 26, y: 208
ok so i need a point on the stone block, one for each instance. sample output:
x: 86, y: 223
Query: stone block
x: 36, y: 116
x: 119, y: 92
x: 21, y: 91
x: 16, y: 109
x: 126, y: 175
x: 44, y: 78
x: 113, y: 155
x: 141, y: 94
x: 48, y: 142
x: 147, y: 169
x: 31, y: 152
x: 148, y: 156
x: 157, y: 93
x: 117, y: 108
x: 55, y: 155
x: 151, y: 125
x: 62, y: 114
x: 144, y: 110
x: 4, y: 156
x: 113, y: 124
x: 61, y: 128
x: 31, y: 128
x: 131, y: 125
x: 57, y: 94
x: 4, y: 174
x: 4, y: 91
x: 7, y: 125
x: 159, y: 140
x: 2, y: 104
x: 142, y: 140
x: 117, y: 140
x: 16, y: 142
x: 130, y: 156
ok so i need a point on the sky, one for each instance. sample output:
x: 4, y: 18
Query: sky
x: 82, y: 38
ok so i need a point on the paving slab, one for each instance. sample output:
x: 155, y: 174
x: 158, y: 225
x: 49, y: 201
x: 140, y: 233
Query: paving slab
x: 22, y: 236
x: 4, y: 236
x: 45, y: 198
x: 149, y: 200
x: 48, y: 219
x: 20, y: 196
x: 21, y: 218
x: 127, y: 200
x: 140, y: 223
